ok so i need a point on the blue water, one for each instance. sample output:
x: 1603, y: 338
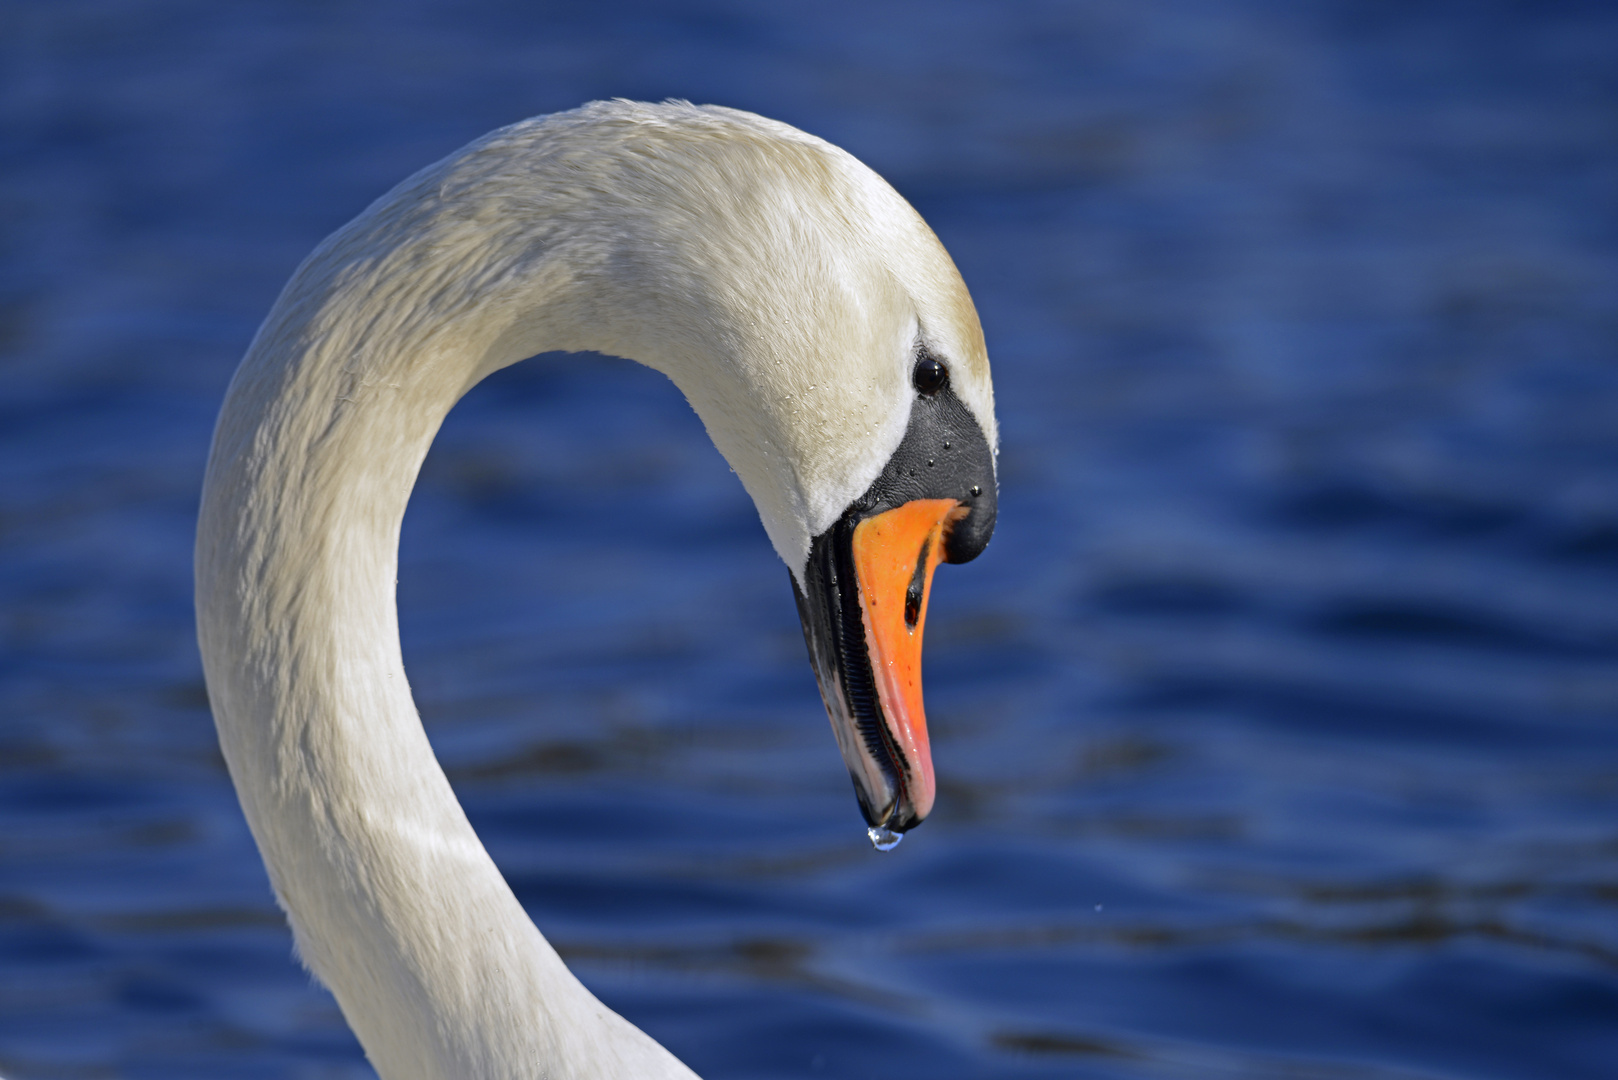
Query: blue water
x: 1277, y: 731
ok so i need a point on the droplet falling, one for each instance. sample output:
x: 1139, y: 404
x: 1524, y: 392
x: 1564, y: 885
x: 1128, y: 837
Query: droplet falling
x: 884, y: 838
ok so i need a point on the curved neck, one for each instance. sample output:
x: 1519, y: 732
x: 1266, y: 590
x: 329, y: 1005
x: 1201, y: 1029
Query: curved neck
x: 394, y: 903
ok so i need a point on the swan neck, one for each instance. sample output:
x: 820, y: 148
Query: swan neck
x: 394, y: 903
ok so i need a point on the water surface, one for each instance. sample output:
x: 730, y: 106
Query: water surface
x: 1277, y: 731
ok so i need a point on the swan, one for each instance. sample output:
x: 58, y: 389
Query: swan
x: 826, y: 341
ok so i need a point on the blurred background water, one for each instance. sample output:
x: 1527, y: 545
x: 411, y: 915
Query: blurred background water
x: 1277, y: 731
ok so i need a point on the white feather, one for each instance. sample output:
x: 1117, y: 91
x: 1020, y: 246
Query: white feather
x: 781, y: 285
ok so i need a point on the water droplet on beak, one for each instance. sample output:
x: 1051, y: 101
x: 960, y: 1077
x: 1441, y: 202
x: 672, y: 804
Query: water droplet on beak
x: 884, y: 838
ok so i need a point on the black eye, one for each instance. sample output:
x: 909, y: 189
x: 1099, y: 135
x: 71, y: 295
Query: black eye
x: 930, y: 376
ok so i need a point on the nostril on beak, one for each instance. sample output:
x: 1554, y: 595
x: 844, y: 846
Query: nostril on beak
x: 918, y: 585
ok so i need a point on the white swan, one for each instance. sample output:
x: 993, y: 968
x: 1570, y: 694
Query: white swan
x: 824, y: 337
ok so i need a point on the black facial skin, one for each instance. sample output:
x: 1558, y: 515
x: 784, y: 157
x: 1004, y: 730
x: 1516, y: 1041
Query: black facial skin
x: 944, y: 455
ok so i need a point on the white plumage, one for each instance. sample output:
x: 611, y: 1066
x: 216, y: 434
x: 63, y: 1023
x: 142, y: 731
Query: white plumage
x: 781, y: 285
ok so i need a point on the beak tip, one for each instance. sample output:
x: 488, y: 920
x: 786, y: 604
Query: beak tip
x: 892, y: 808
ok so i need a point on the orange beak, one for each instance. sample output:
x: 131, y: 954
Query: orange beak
x: 864, y: 605
x: 895, y: 554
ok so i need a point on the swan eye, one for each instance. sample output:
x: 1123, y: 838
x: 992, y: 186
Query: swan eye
x: 930, y: 376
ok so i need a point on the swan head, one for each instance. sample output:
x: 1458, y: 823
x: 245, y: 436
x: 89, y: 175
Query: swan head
x: 820, y: 331
x: 827, y: 341
x: 863, y: 596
